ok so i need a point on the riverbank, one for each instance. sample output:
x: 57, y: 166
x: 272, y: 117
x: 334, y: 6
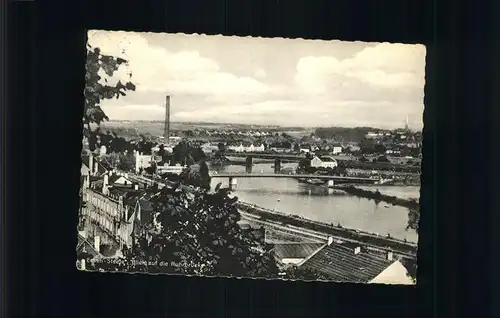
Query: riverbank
x: 378, y: 196
x: 402, y: 246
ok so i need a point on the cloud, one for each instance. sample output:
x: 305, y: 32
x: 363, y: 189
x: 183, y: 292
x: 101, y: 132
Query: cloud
x: 160, y: 70
x: 283, y: 84
x: 384, y: 66
x: 260, y: 73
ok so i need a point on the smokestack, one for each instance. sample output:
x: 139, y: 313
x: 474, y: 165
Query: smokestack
x: 166, y: 133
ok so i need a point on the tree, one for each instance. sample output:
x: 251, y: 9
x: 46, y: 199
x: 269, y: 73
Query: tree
x: 127, y: 162
x: 222, y: 148
x: 413, y: 219
x: 97, y: 90
x: 196, y: 175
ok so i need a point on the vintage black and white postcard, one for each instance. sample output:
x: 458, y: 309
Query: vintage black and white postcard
x: 251, y: 157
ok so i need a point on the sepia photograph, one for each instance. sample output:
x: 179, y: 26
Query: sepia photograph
x: 264, y: 158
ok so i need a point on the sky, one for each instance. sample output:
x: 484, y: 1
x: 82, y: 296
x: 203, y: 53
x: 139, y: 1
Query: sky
x: 267, y: 81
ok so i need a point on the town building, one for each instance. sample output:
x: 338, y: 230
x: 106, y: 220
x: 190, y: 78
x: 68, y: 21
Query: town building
x: 236, y: 147
x: 336, y: 149
x: 280, y: 147
x: 114, y: 206
x: 95, y: 166
x: 143, y: 161
x: 175, y: 169
x: 305, y: 148
x: 345, y: 264
x: 246, y: 147
x: 171, y: 139
x: 258, y: 147
x: 323, y: 162
x: 86, y: 250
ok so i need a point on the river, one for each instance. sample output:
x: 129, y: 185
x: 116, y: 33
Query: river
x: 314, y: 203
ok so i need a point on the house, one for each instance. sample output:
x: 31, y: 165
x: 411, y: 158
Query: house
x: 177, y: 169
x: 84, y: 248
x: 84, y: 176
x: 155, y: 150
x: 96, y: 167
x: 102, y: 150
x: 114, y: 209
x: 413, y: 145
x: 119, y: 179
x: 323, y: 162
x: 294, y: 253
x: 236, y: 147
x: 248, y: 147
x: 345, y: 264
x: 209, y: 148
x: 142, y: 161
x: 279, y: 147
x: 393, y: 152
x: 259, y: 148
x: 336, y: 149
x: 174, y: 139
x: 305, y: 148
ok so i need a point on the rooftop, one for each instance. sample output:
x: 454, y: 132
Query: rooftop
x: 84, y: 246
x: 340, y: 263
x: 296, y: 250
x: 327, y: 159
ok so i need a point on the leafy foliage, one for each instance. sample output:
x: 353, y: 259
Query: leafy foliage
x: 197, y: 175
x: 413, y: 219
x: 301, y: 273
x: 185, y: 154
x: 97, y: 90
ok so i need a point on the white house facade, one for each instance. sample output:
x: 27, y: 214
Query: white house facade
x: 323, y: 162
x: 336, y: 150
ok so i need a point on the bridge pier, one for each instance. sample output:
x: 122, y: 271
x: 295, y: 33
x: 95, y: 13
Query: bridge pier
x: 233, y: 182
x: 277, y: 165
x: 249, y: 164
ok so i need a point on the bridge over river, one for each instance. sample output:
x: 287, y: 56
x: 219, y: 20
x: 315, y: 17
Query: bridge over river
x: 330, y: 180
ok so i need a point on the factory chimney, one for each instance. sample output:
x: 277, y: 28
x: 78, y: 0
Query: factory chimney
x: 166, y: 133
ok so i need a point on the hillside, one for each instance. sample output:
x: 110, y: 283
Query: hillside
x: 344, y: 134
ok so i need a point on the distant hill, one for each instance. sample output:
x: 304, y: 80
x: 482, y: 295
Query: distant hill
x: 345, y: 134
x: 155, y: 128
